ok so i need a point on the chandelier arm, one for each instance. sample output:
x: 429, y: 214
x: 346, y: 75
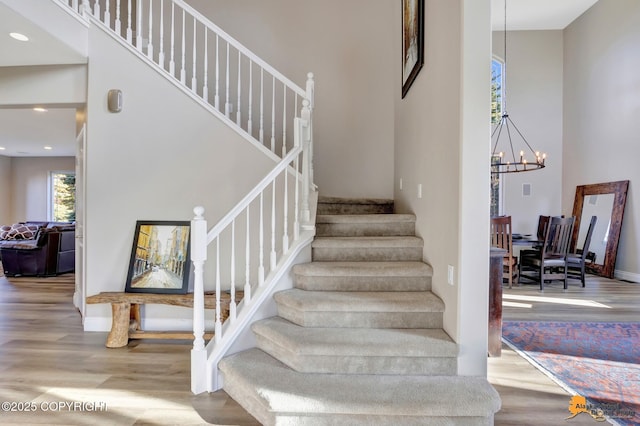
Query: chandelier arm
x: 523, y: 138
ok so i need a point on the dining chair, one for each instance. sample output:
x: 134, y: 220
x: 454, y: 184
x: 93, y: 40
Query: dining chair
x: 576, y: 261
x: 551, y: 261
x: 501, y: 237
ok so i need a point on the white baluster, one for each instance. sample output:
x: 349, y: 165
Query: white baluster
x: 129, y: 30
x: 194, y: 80
x: 198, y: 256
x: 150, y: 44
x: 284, y: 121
x: 250, y: 112
x: 218, y: 325
x: 205, y: 87
x: 261, y: 105
x: 272, y: 258
x: 161, y: 48
x: 183, y: 72
x: 273, y: 114
x: 238, y: 109
x: 310, y: 90
x: 247, y: 267
x: 296, y: 143
x: 261, y: 242
x: 107, y: 14
x: 86, y: 8
x: 118, y: 23
x: 227, y: 105
x: 172, y: 62
x: 217, y: 96
x: 96, y: 10
x: 139, y: 26
x: 232, y: 302
x: 285, y: 234
x: 74, y: 5
x: 306, y: 183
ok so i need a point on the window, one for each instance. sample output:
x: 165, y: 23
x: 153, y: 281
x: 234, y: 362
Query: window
x: 497, y: 68
x: 62, y: 196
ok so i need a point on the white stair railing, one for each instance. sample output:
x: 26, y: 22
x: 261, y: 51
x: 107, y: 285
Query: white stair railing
x: 258, y: 239
x: 252, y: 96
x: 275, y: 220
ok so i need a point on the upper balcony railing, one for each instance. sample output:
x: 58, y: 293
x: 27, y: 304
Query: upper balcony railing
x: 252, y: 96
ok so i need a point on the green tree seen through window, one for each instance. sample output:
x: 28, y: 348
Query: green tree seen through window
x: 63, y: 196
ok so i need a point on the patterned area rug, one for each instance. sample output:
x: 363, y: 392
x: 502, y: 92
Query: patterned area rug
x: 598, y: 363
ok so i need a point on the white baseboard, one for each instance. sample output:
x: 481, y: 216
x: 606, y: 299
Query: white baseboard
x: 627, y: 276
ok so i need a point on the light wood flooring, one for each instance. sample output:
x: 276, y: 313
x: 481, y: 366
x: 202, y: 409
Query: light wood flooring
x: 46, y: 359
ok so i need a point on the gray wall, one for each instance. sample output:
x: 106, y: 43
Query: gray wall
x: 157, y: 159
x: 5, y: 190
x: 601, y: 111
x: 349, y: 47
x: 533, y: 94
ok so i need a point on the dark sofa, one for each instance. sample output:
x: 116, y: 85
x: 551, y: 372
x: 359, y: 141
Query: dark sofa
x: 38, y: 248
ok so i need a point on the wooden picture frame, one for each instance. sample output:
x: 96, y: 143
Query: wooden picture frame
x: 412, y: 41
x: 160, y: 258
x: 611, y: 220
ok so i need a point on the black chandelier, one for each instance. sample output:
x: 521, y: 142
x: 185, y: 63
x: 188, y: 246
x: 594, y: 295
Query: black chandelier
x: 503, y: 156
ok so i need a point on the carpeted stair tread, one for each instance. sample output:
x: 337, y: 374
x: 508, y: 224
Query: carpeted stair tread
x: 352, y: 225
x: 272, y: 392
x: 335, y: 205
x: 365, y: 218
x: 363, y: 276
x: 352, y: 341
x: 359, y: 249
x: 356, y: 201
x: 360, y: 301
x: 367, y: 242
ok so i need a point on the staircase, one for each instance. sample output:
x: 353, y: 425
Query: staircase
x: 359, y: 340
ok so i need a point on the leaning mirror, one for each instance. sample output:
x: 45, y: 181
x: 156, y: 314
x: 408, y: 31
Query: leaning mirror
x: 607, y: 202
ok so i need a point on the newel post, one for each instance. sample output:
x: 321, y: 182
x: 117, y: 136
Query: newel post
x: 198, y: 257
x: 305, y: 211
x: 310, y: 89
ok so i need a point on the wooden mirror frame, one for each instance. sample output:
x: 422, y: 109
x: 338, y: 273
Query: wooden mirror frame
x: 619, y: 189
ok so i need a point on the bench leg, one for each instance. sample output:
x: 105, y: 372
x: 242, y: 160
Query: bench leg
x: 120, y: 315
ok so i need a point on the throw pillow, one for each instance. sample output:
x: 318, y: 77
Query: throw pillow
x: 21, y: 231
x: 4, y: 232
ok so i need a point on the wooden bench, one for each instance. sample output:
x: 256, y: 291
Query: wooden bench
x: 125, y: 314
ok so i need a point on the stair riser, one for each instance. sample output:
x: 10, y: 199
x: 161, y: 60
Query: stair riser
x: 365, y: 229
x: 341, y: 364
x: 363, y: 254
x: 339, y: 208
x: 368, y: 420
x: 362, y: 319
x: 355, y: 283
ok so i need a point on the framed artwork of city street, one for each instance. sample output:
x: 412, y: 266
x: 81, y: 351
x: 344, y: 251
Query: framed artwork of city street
x: 160, y: 261
x: 412, y: 41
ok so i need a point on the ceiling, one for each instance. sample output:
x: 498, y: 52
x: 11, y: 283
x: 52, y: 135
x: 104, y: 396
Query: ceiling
x: 25, y: 133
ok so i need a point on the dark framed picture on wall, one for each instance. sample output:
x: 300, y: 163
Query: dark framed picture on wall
x: 412, y: 41
x: 160, y: 260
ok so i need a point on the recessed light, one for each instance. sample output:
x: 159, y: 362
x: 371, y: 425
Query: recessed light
x: 40, y: 109
x: 20, y: 37
x: 48, y: 148
x: 2, y: 148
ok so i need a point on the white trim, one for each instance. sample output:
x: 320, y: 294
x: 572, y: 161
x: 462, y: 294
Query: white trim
x: 627, y: 276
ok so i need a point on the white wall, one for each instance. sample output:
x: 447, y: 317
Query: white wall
x: 156, y: 160
x: 30, y: 185
x: 534, y: 102
x: 442, y: 143
x: 349, y: 46
x: 5, y: 190
x: 601, y: 110
x: 43, y: 85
